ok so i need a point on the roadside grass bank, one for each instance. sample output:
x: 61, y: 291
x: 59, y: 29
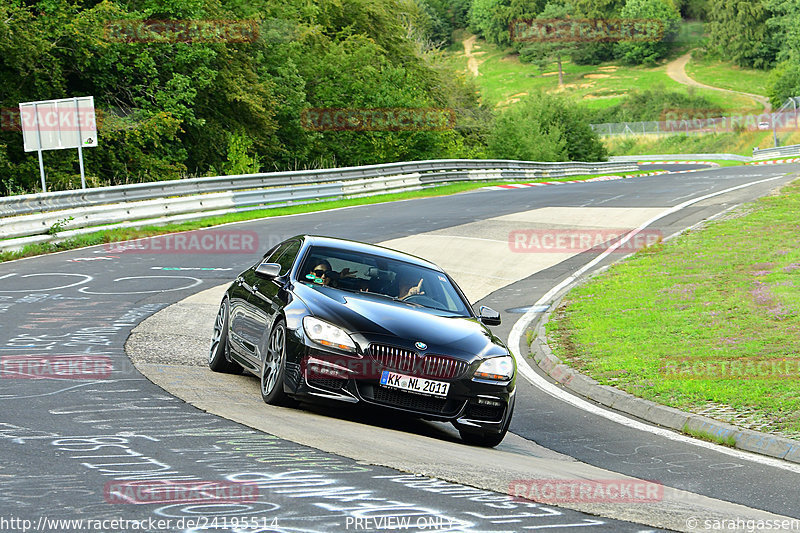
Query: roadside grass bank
x: 503, y: 79
x: 124, y: 234
x: 708, y: 322
x: 726, y: 75
x: 741, y: 143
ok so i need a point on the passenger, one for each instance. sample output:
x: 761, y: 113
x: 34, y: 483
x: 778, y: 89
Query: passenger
x: 322, y: 272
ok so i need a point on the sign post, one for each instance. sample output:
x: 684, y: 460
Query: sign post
x: 59, y: 124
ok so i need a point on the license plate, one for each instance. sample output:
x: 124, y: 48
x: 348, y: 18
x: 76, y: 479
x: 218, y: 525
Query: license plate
x: 412, y: 384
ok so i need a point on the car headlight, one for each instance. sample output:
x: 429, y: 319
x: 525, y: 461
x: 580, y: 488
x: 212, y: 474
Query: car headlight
x: 497, y: 368
x: 327, y: 334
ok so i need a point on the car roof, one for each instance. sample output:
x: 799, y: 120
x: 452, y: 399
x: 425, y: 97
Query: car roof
x: 356, y: 246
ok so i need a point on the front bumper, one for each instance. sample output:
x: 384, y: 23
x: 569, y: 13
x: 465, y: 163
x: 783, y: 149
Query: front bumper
x: 471, y: 405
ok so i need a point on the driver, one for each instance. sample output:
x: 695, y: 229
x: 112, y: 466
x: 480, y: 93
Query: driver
x: 409, y: 284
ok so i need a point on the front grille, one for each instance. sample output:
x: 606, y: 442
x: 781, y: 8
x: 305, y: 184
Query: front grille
x: 484, y: 412
x: 429, y: 366
x: 328, y: 383
x: 410, y: 401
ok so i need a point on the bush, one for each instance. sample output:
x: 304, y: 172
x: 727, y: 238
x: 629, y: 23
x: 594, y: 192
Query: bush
x: 544, y: 127
x: 784, y: 82
x: 652, y: 104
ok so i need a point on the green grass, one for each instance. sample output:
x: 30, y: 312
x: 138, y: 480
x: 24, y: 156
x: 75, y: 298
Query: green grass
x: 725, y: 294
x: 730, y: 440
x: 728, y: 76
x: 741, y: 143
x: 123, y: 234
x: 503, y: 78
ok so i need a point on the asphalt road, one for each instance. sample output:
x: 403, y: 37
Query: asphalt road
x: 66, y: 442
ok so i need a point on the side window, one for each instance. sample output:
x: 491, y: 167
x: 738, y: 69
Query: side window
x: 286, y: 255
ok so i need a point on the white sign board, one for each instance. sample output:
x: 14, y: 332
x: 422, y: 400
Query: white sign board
x: 58, y: 124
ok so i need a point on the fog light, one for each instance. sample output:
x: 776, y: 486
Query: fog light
x: 491, y: 403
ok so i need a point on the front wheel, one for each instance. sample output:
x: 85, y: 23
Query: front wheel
x: 273, y: 367
x: 218, y: 353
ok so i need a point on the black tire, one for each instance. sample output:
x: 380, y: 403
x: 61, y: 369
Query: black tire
x: 487, y: 440
x: 273, y: 367
x: 218, y: 353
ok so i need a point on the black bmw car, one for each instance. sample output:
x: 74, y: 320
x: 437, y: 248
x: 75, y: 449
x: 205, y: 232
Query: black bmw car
x: 319, y: 317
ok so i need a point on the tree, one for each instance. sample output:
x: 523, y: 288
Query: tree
x: 738, y: 30
x: 784, y: 26
x: 557, y: 46
x: 784, y: 81
x: 490, y: 19
x: 650, y: 50
x: 184, y: 107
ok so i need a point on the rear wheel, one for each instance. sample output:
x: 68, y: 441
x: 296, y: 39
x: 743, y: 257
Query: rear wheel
x: 273, y: 368
x: 218, y: 353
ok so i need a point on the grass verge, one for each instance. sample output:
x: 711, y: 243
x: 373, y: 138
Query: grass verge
x: 710, y: 437
x: 124, y: 234
x: 741, y: 143
x: 709, y: 320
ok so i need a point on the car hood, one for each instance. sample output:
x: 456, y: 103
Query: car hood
x: 377, y: 319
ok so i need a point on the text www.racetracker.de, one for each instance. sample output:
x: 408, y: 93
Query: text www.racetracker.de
x: 44, y: 523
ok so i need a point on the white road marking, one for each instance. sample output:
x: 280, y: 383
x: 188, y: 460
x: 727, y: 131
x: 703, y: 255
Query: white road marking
x: 195, y: 283
x: 86, y: 279
x: 545, y: 386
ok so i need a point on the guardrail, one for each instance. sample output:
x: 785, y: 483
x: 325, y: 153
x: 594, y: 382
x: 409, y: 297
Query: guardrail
x: 782, y: 151
x: 679, y: 157
x: 29, y: 218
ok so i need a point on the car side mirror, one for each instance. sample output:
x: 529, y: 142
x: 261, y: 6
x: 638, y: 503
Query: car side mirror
x: 268, y: 270
x: 489, y: 316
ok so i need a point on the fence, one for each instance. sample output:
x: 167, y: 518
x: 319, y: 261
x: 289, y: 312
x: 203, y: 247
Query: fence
x: 695, y: 121
x: 679, y: 157
x: 30, y: 218
x: 783, y: 151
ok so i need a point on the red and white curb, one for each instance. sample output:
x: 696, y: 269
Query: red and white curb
x: 598, y: 178
x: 709, y: 163
x: 775, y: 161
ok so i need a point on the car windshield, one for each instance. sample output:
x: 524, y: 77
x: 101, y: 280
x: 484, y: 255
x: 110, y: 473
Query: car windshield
x: 371, y: 274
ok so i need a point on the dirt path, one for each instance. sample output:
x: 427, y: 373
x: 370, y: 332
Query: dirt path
x: 472, y: 61
x: 677, y: 71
